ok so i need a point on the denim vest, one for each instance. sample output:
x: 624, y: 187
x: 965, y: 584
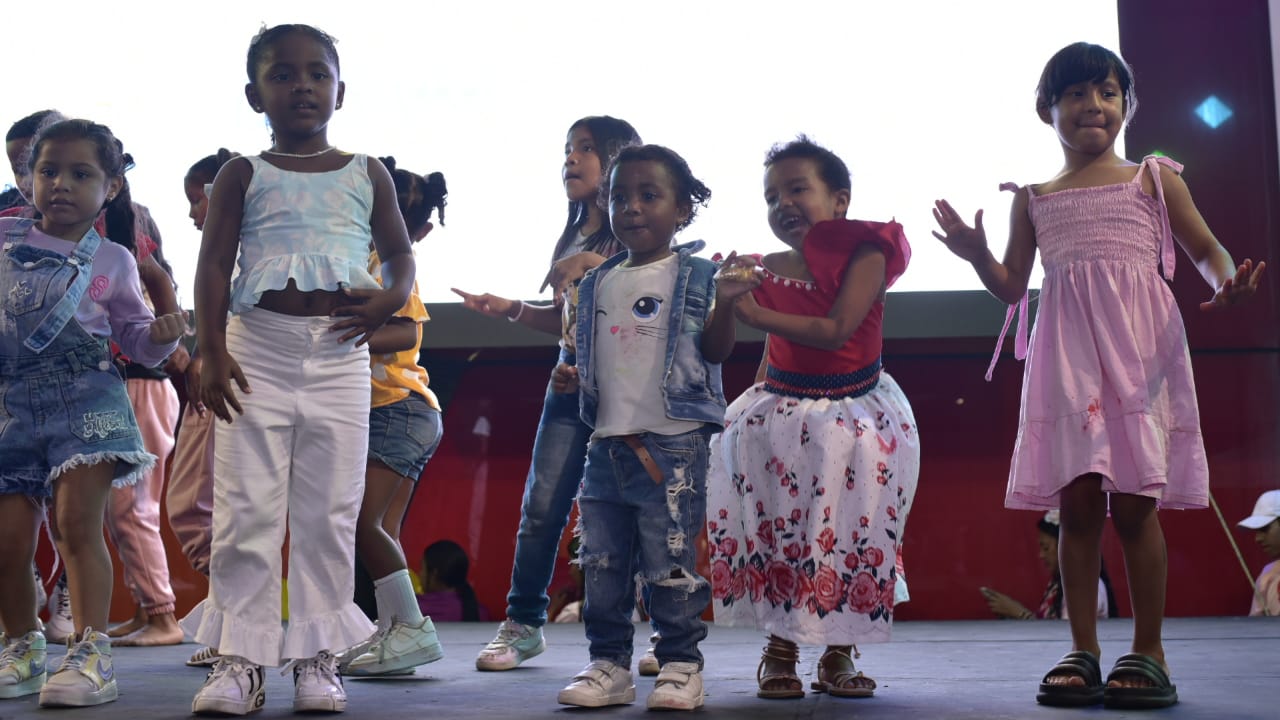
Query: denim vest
x: 691, y: 387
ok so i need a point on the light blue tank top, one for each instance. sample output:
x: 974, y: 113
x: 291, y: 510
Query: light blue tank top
x: 312, y: 227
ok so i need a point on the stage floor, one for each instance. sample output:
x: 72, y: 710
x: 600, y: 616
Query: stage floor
x: 1223, y: 667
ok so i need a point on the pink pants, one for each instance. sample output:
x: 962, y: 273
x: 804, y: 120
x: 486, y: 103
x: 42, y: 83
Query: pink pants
x: 190, y: 496
x: 133, y: 512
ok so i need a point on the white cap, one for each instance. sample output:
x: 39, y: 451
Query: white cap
x: 1265, y: 511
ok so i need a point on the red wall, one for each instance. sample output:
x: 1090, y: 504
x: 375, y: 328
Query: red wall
x: 959, y: 536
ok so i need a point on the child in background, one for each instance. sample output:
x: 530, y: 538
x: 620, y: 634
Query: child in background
x: 814, y: 475
x: 1265, y: 523
x: 649, y: 352
x: 447, y: 595
x: 300, y: 217
x: 560, y: 446
x: 1109, y: 423
x: 404, y: 431
x: 189, y: 498
x: 1051, y: 606
x: 67, y: 292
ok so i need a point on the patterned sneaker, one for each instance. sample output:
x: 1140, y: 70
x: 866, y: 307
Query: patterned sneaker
x: 648, y: 666
x: 85, y: 676
x: 317, y: 686
x: 399, y: 647
x: 514, y: 644
x: 204, y: 657
x: 235, y: 686
x: 60, y: 627
x: 678, y: 687
x: 599, y: 684
x: 22, y: 666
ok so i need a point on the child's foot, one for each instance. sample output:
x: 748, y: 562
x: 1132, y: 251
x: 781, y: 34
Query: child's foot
x: 60, y: 627
x: 600, y: 683
x: 160, y: 629
x: 839, y: 678
x: 648, y: 665
x: 678, y: 687
x: 399, y: 647
x: 85, y: 677
x: 204, y: 657
x: 1139, y: 681
x: 776, y: 674
x: 234, y: 687
x: 317, y: 686
x: 22, y: 666
x: 134, y: 624
x: 514, y: 644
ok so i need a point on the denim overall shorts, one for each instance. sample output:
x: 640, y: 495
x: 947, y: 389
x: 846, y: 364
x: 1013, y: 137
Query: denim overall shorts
x: 62, y: 402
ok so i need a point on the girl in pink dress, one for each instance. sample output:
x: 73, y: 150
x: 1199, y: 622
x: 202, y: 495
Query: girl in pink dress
x: 816, y: 469
x: 1108, y: 417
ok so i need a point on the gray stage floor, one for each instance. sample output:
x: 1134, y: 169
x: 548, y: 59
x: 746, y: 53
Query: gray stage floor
x: 1223, y: 667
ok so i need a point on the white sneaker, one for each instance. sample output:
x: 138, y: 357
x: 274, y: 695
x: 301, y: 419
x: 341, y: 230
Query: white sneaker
x: 317, y: 686
x: 678, y: 687
x: 599, y: 684
x: 60, y: 627
x: 235, y: 686
x: 85, y: 677
x: 22, y: 665
x: 514, y: 644
x: 399, y: 647
x: 648, y: 666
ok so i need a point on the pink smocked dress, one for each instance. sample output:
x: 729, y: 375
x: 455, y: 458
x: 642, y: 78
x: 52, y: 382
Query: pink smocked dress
x: 813, y: 477
x: 1107, y: 386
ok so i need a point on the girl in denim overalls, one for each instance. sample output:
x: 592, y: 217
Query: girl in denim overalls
x: 66, y: 426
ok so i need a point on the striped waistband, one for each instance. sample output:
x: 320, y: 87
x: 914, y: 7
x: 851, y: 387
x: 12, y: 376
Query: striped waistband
x: 801, y: 385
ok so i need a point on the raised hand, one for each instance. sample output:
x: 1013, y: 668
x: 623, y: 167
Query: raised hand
x: 491, y: 305
x: 1238, y: 288
x: 216, y: 393
x: 968, y: 243
x: 168, y: 328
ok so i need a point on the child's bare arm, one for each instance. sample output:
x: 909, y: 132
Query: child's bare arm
x: 1007, y: 280
x: 1231, y: 283
x: 218, y: 247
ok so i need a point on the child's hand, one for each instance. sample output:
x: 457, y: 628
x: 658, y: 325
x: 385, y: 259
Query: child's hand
x: 745, y: 309
x: 178, y: 361
x: 570, y: 270
x: 1236, y: 289
x: 969, y: 243
x: 216, y: 392
x: 168, y: 328
x: 564, y: 379
x: 491, y: 305
x: 192, y: 377
x: 374, y: 306
x: 736, y: 277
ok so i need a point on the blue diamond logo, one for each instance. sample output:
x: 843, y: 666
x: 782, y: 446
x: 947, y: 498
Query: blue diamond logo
x: 1213, y: 112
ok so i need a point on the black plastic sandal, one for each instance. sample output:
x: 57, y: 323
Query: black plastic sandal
x: 1077, y: 663
x: 1161, y: 693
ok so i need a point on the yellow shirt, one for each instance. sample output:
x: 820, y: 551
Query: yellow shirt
x: 395, y: 375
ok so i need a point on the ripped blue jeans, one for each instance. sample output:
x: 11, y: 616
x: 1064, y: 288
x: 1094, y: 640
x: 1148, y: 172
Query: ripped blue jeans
x: 635, y: 529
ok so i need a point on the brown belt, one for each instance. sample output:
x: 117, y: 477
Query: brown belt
x: 642, y: 454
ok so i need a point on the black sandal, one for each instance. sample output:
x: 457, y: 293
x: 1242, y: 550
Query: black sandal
x: 1077, y: 663
x: 1161, y: 693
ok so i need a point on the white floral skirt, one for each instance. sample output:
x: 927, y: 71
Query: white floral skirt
x: 806, y: 505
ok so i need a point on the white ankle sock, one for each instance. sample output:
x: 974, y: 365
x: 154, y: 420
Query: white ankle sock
x: 395, y: 598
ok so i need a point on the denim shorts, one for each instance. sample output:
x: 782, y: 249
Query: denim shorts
x: 63, y: 410
x: 404, y: 435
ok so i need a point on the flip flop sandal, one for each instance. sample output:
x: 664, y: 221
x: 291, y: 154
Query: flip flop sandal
x: 1161, y: 693
x: 839, y: 684
x: 1076, y: 663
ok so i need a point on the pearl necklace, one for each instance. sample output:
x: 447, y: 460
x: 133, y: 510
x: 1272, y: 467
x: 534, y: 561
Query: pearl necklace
x: 318, y: 153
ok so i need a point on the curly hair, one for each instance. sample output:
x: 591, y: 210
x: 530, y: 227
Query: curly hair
x: 689, y: 190
x: 833, y: 171
x: 417, y: 195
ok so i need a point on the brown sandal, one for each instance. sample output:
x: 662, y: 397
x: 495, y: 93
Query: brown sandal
x: 781, y: 651
x: 842, y: 683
